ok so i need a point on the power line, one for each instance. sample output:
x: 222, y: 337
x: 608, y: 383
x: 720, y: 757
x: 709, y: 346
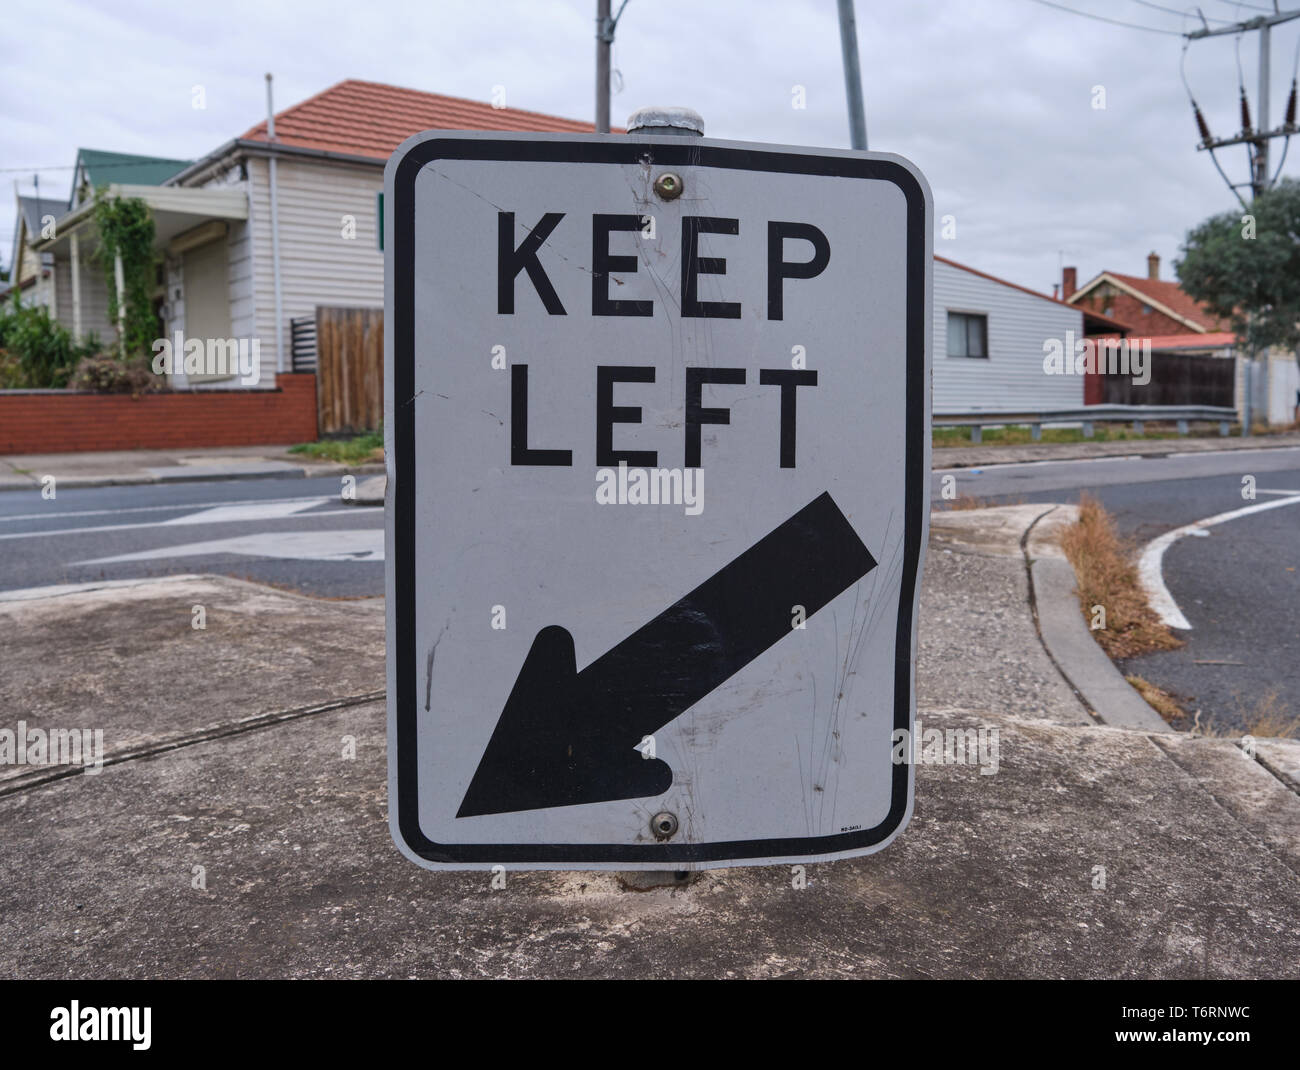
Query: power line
x: 1251, y: 7
x: 100, y: 166
x: 1103, y: 18
x: 1174, y: 11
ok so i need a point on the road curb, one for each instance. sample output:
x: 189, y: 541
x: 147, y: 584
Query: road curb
x: 147, y: 479
x: 975, y: 457
x: 1085, y: 666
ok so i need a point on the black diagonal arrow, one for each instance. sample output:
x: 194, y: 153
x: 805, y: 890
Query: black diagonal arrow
x: 568, y: 737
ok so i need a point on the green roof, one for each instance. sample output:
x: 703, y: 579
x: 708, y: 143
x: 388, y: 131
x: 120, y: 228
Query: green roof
x: 125, y: 169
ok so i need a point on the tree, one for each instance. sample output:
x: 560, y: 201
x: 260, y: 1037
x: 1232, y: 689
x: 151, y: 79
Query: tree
x: 1246, y: 268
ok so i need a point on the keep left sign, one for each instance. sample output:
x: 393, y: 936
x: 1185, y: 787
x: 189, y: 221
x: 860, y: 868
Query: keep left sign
x: 658, y: 416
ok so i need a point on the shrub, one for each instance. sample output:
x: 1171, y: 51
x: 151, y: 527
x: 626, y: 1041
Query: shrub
x: 37, y: 352
x: 107, y: 374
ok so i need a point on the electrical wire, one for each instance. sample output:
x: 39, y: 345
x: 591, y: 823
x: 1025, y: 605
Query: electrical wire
x: 1215, y: 160
x: 1290, y: 116
x: 1103, y: 18
x: 1252, y: 7
x: 1175, y: 11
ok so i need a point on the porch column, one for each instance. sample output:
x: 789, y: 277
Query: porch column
x: 76, y: 286
x: 119, y: 280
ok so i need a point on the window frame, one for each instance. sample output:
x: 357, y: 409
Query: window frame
x: 966, y: 318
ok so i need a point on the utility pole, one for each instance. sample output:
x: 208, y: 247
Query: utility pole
x: 852, y: 75
x: 605, y: 27
x: 1259, y: 137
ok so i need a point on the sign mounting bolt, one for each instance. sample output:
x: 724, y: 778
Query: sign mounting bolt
x: 664, y: 825
x: 669, y: 186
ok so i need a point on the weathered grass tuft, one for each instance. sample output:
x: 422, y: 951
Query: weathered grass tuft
x: 1106, y: 576
x: 1269, y: 719
x: 1159, y: 700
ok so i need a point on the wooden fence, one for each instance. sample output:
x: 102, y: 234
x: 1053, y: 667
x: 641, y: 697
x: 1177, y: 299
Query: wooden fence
x: 1175, y: 380
x: 349, y: 369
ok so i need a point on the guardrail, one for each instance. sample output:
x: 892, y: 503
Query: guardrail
x: 1088, y: 415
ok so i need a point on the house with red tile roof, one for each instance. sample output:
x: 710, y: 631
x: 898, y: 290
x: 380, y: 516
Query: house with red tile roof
x: 329, y: 152
x: 221, y: 229
x: 1160, y: 312
x: 1148, y: 306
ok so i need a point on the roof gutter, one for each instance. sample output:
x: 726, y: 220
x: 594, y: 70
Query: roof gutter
x: 253, y: 147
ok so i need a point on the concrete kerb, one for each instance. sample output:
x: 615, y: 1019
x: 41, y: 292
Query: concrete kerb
x: 1033, y: 530
x: 952, y: 458
x: 192, y: 474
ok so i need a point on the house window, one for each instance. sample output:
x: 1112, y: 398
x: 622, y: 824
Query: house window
x: 968, y: 335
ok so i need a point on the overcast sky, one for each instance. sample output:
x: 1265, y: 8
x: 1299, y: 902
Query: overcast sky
x: 992, y: 99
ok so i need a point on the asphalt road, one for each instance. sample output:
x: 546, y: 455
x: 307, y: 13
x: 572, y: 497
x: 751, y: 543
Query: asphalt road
x: 1238, y: 586
x: 292, y: 532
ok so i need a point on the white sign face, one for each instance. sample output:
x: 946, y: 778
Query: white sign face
x: 658, y: 419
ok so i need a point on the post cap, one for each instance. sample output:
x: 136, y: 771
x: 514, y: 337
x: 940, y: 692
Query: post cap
x: 685, y: 121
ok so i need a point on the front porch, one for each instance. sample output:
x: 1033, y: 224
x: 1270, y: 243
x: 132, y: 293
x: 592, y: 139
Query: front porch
x: 193, y: 230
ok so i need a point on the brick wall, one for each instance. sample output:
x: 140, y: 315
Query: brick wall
x: 61, y: 421
x: 1127, y: 309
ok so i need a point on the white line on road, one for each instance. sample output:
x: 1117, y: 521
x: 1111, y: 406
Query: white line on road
x: 154, y: 508
x: 225, y: 514
x: 1149, y: 564
x: 365, y: 544
x: 351, y: 511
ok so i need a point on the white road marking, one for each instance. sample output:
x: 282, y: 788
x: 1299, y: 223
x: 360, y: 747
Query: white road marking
x: 1277, y: 492
x: 354, y: 545
x: 152, y: 508
x: 1149, y: 564
x: 351, y: 511
x: 224, y: 514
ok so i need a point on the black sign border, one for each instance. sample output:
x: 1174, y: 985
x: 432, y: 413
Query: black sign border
x: 629, y: 151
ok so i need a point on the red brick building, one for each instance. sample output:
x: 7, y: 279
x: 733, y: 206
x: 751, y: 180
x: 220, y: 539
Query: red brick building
x: 1147, y: 306
x: 1154, y: 311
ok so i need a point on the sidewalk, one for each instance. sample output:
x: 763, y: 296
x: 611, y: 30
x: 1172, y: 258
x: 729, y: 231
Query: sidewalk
x: 127, y: 467
x: 1094, y: 851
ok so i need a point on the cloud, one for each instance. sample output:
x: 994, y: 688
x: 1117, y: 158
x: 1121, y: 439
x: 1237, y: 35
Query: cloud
x: 992, y: 99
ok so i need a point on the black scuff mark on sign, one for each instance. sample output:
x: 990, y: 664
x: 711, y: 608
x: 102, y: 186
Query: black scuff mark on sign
x: 428, y: 670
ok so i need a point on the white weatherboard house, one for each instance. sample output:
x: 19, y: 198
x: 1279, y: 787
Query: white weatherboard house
x: 218, y: 228
x: 221, y: 231
x: 988, y: 344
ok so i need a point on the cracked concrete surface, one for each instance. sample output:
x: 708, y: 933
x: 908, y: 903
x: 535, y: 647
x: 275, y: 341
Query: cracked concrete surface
x: 1093, y: 852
